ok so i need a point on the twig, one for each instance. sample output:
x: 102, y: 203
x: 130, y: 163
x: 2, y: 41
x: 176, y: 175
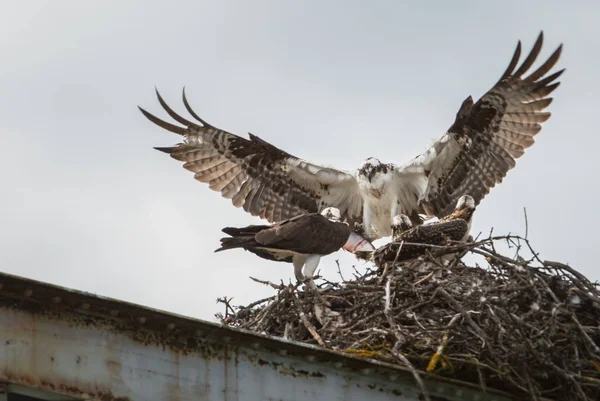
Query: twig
x: 562, y: 266
x: 339, y: 269
x: 434, y: 359
x: 412, y: 369
x: 526, y: 222
x: 387, y: 266
x: 275, y: 286
x: 585, y: 335
x: 387, y: 295
x: 311, y: 329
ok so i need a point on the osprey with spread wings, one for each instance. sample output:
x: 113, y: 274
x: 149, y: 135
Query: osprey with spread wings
x: 474, y: 155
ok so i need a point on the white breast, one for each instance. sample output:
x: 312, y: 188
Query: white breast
x: 387, y: 196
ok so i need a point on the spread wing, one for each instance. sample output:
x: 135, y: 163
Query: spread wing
x: 487, y: 137
x: 264, y: 180
x: 308, y: 234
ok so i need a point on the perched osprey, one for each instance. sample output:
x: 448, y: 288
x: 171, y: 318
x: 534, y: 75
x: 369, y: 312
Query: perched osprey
x: 474, y: 155
x: 408, y: 244
x: 301, y: 240
x: 465, y: 207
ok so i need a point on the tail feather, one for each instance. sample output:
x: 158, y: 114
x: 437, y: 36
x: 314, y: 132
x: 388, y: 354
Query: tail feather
x: 243, y: 231
x: 244, y: 241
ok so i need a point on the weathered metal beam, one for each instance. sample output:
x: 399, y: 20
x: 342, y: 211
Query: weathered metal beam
x: 95, y: 348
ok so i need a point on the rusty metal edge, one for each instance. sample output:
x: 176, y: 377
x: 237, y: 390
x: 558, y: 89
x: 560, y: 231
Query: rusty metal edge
x: 36, y: 296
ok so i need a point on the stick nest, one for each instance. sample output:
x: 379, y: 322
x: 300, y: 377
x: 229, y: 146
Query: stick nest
x: 525, y: 326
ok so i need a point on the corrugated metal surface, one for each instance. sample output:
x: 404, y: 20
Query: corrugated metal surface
x: 97, y: 348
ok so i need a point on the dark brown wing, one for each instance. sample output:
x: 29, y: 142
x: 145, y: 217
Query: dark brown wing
x: 487, y: 137
x: 308, y: 234
x: 264, y: 180
x: 429, y: 234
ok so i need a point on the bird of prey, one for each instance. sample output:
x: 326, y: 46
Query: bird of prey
x: 301, y: 240
x: 474, y: 155
x: 408, y: 244
x: 465, y: 207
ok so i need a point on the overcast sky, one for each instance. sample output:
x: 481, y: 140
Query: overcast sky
x: 87, y: 203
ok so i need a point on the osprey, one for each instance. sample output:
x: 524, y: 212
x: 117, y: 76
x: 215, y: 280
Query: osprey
x: 474, y: 155
x: 408, y: 244
x: 465, y: 207
x: 301, y: 240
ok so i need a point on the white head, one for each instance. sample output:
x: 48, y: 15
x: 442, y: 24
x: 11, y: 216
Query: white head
x: 371, y: 168
x: 332, y: 213
x: 465, y: 202
x: 465, y: 207
x: 400, y: 223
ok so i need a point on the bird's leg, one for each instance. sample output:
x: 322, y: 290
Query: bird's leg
x: 298, y: 261
x: 311, y: 265
x: 394, y: 208
x: 369, y: 234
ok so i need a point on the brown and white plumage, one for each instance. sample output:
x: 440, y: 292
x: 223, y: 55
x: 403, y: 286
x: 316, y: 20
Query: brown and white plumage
x: 464, y: 209
x: 301, y: 240
x: 472, y: 157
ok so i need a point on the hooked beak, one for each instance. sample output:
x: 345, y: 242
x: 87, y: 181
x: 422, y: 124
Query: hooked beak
x: 371, y: 174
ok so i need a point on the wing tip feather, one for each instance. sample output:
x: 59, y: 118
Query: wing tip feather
x: 170, y: 111
x: 191, y: 111
x: 531, y: 57
x: 168, y: 126
x: 168, y: 150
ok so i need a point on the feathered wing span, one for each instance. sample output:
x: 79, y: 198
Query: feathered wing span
x: 306, y: 234
x: 263, y: 179
x: 431, y: 234
x: 488, y: 136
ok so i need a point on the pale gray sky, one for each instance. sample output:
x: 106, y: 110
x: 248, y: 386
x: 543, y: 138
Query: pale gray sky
x: 87, y: 203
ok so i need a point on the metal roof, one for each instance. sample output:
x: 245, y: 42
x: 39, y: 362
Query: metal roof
x: 92, y: 347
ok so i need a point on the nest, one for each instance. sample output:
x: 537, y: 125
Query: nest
x: 524, y: 326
